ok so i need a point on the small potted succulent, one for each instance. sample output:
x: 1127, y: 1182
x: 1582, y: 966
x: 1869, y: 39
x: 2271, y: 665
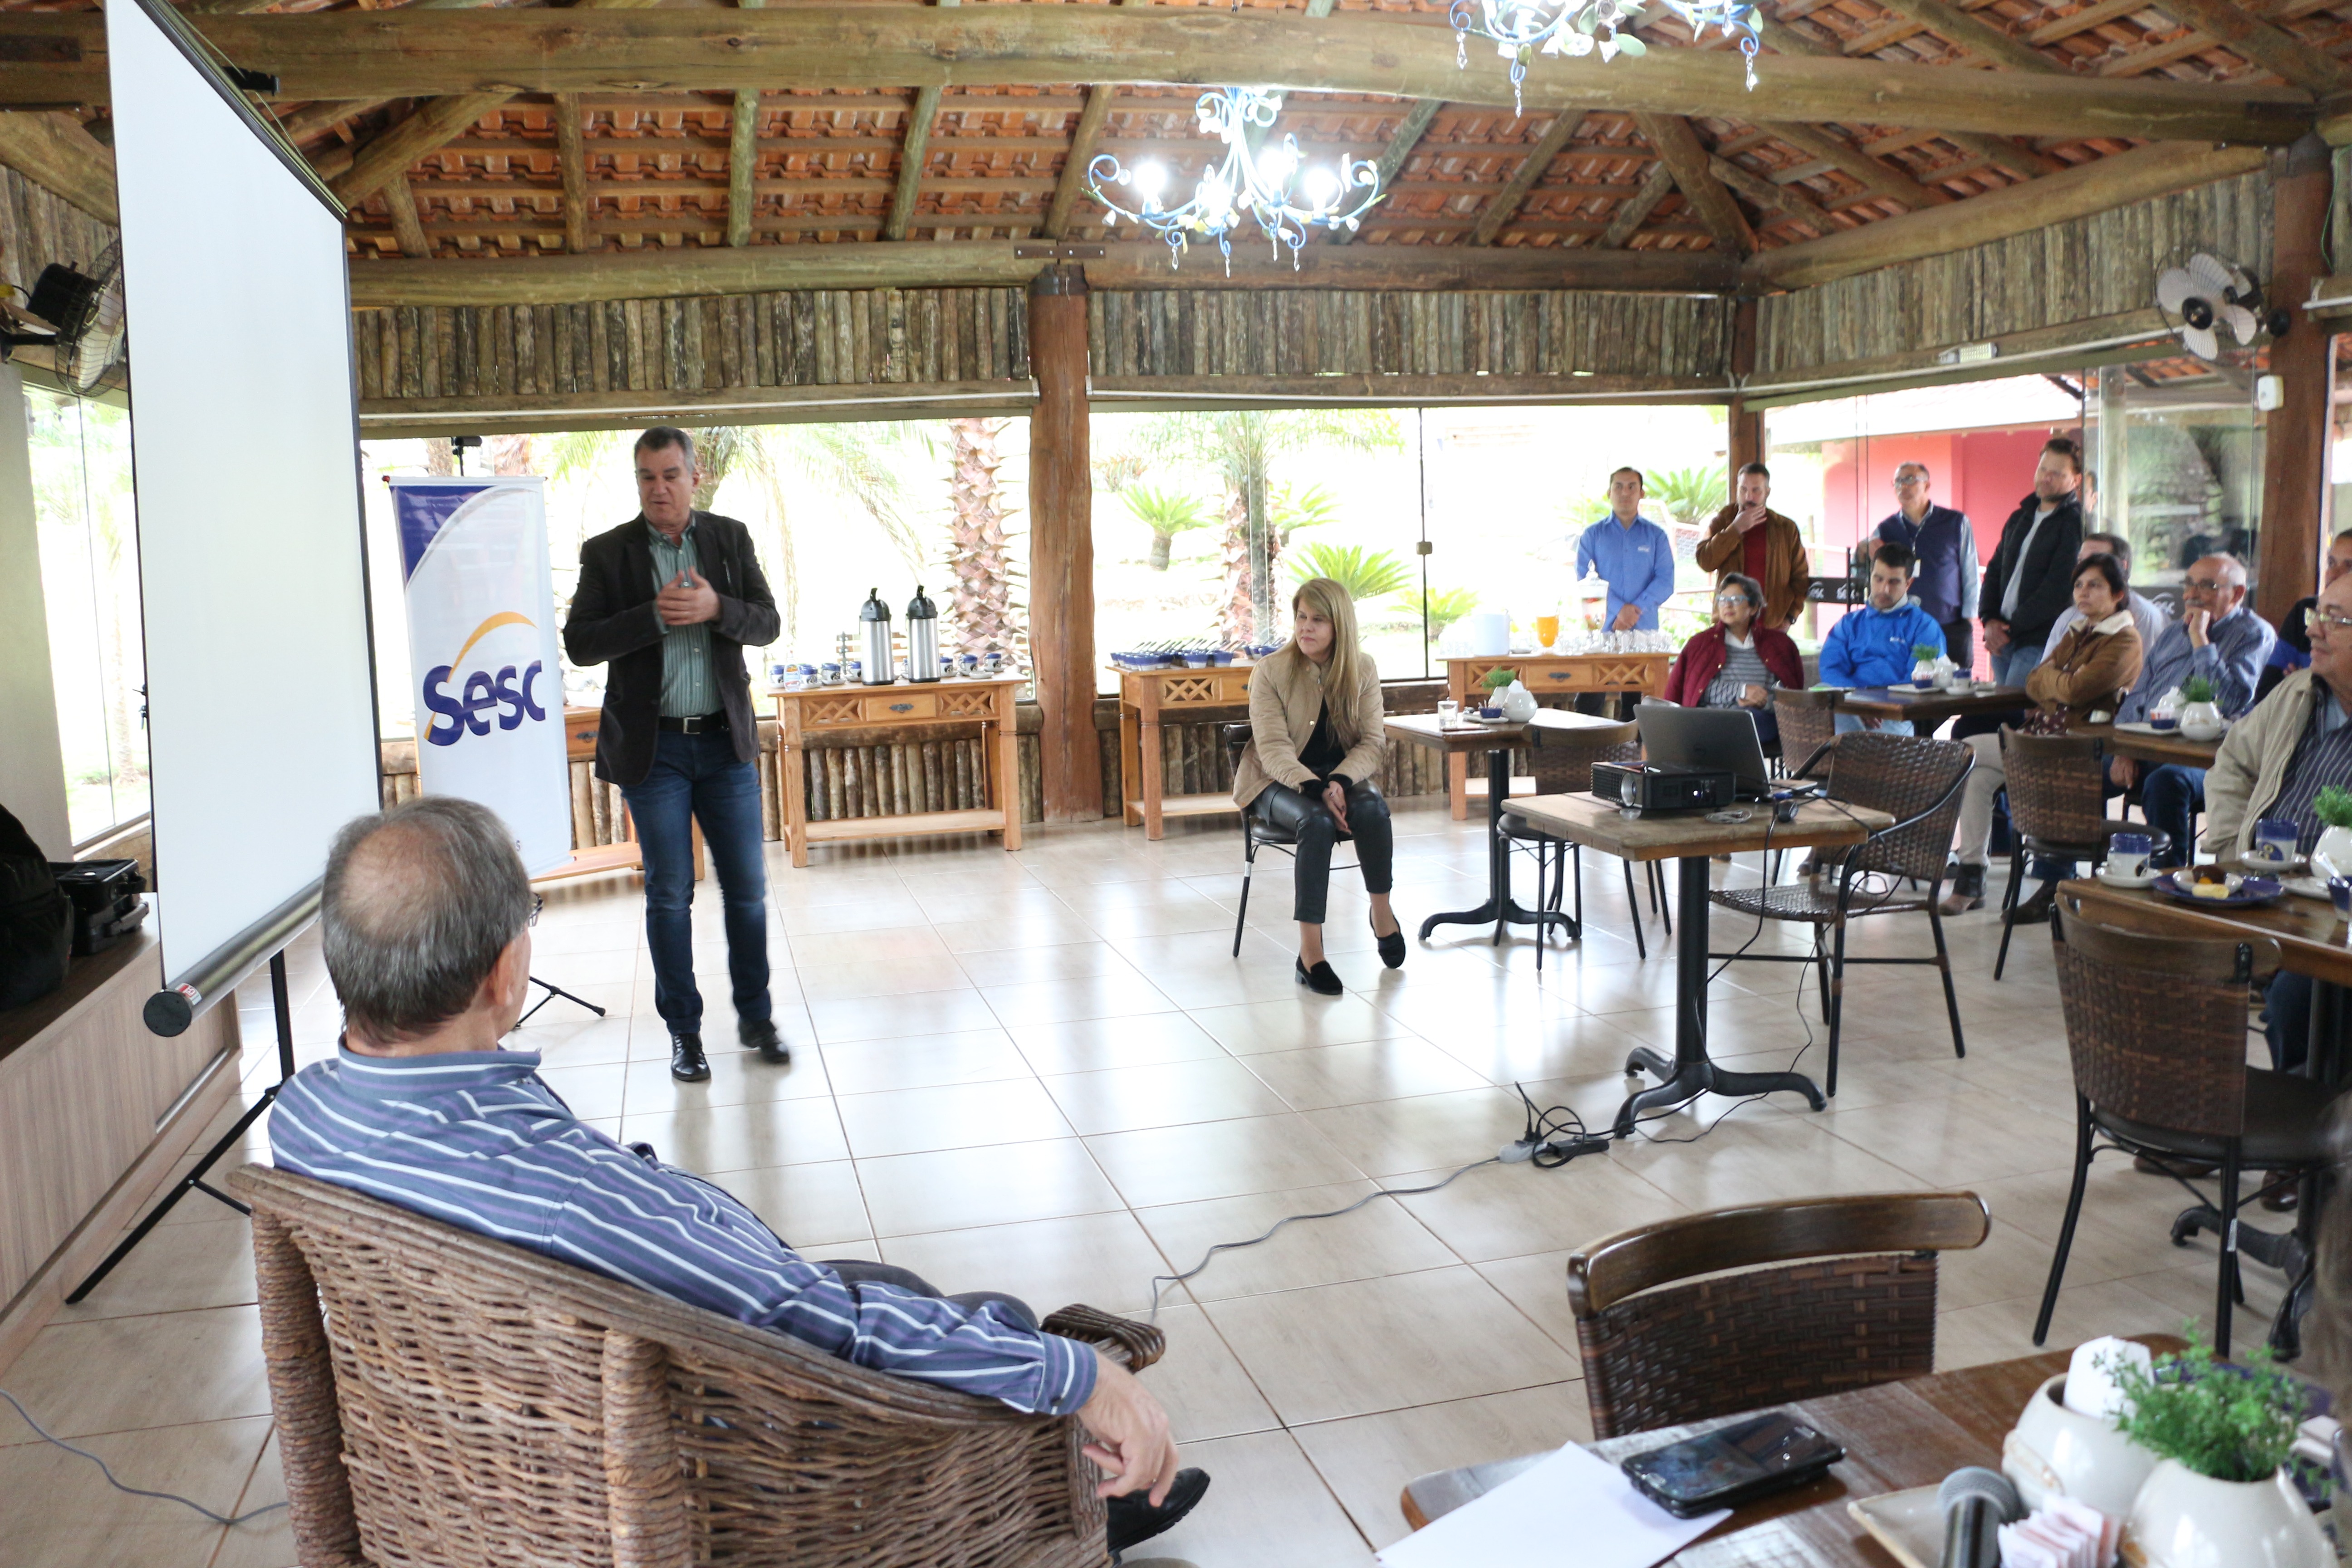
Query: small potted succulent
x: 2200, y: 719
x: 1504, y: 692
x: 2223, y: 1435
x: 2332, y: 856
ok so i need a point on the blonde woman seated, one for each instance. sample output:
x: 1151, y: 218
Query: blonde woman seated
x: 1314, y: 743
x: 2090, y: 669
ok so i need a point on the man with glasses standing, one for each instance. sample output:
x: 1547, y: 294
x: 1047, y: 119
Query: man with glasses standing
x: 670, y: 599
x: 1944, y: 543
x: 2219, y: 638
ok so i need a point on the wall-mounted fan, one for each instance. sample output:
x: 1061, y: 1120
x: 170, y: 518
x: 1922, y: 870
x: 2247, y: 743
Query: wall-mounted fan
x: 86, y: 308
x: 2207, y: 296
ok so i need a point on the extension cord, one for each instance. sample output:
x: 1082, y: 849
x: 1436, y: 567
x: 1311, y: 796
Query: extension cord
x: 1519, y: 1154
x: 1569, y: 1148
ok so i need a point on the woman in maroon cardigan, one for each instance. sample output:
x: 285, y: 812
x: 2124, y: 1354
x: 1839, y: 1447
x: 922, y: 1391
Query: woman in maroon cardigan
x: 1736, y: 663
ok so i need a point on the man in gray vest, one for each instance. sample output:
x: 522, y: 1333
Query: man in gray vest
x: 1945, y: 544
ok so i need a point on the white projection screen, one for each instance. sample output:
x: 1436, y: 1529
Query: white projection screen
x: 261, y: 695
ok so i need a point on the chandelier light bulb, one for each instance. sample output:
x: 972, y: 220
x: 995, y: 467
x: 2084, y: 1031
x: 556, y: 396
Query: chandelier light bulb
x: 1150, y: 180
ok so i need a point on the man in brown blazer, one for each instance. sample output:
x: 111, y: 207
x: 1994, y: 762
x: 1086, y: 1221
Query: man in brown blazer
x: 1751, y: 539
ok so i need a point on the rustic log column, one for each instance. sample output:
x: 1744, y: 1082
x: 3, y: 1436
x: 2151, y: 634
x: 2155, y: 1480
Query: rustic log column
x: 2295, y: 444
x: 1062, y: 547
x: 1746, y: 442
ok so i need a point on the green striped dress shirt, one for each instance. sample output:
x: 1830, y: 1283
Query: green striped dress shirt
x: 687, y: 689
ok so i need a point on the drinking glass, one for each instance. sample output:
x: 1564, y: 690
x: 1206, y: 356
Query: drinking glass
x: 1449, y: 713
x: 1547, y: 629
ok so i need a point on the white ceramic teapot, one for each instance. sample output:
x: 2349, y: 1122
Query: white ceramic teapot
x: 1517, y: 704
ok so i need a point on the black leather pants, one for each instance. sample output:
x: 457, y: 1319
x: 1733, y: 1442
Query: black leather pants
x: 1281, y: 806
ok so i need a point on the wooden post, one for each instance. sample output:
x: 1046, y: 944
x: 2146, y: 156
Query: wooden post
x: 1062, y: 546
x: 1746, y: 442
x: 2294, y: 443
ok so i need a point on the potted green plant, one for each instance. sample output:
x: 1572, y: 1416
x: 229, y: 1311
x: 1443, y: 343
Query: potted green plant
x: 1504, y: 691
x: 2332, y: 856
x: 1927, y: 664
x: 2200, y: 719
x: 2223, y: 1435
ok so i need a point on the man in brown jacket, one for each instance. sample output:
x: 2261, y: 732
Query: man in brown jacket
x: 1750, y: 538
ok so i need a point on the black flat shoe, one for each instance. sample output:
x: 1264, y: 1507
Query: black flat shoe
x: 1321, y: 979
x: 762, y: 1037
x: 1130, y: 1520
x: 686, y: 1063
x: 1391, y: 947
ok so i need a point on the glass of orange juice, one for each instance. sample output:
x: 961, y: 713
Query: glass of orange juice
x: 1548, y: 628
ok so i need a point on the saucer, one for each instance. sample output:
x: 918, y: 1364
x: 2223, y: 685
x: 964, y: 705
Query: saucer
x: 2121, y: 881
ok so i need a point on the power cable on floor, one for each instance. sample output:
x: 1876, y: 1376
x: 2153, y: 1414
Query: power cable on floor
x: 134, y: 1491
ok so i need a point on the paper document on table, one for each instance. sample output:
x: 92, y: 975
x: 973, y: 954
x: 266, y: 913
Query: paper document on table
x: 1612, y: 1525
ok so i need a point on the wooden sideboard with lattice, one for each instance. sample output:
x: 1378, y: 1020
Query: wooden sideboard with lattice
x: 843, y: 710
x: 1147, y: 699
x: 1547, y: 675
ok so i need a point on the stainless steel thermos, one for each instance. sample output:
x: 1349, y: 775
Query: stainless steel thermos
x: 874, y: 620
x: 922, y: 637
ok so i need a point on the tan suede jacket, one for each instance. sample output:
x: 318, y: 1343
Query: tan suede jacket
x: 1786, y: 572
x: 1286, y: 695
x: 2091, y: 666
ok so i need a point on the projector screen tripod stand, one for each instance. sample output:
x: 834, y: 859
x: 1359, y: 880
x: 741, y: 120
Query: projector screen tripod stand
x: 553, y: 991
x: 194, y: 1180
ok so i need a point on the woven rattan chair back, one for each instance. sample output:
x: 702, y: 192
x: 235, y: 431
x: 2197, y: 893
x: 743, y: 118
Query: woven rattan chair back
x: 443, y: 1398
x: 1844, y: 1297
x: 1563, y: 759
x: 2057, y: 786
x: 1807, y: 722
x: 2156, y: 1026
x: 1909, y: 777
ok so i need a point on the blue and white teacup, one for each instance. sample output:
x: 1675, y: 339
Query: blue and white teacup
x: 2277, y: 839
x: 968, y: 663
x: 829, y: 673
x: 992, y: 662
x: 2128, y: 855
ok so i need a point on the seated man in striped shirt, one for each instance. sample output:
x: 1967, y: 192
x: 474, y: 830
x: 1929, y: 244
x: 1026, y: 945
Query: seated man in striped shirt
x: 426, y: 915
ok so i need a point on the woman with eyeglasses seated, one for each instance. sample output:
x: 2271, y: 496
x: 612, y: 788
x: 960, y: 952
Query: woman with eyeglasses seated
x: 1736, y: 663
x: 1316, y: 739
x: 2092, y: 666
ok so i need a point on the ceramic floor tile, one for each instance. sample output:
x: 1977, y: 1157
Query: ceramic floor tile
x: 909, y: 1194
x: 1266, y: 1508
x: 741, y: 1137
x: 1123, y: 1100
x: 807, y: 1205
x: 1369, y: 1459
x: 879, y: 911
x: 1953, y: 1140
x: 823, y: 947
x: 175, y: 1268
x: 894, y: 976
x: 62, y: 1514
x: 1028, y: 965
x: 1112, y: 996
x: 925, y: 1061
x: 894, y: 1018
x: 1401, y: 1341
x: 992, y: 932
x: 1094, y: 1045
x: 1219, y: 1159
x: 737, y: 1078
x: 1296, y: 1023
x: 166, y: 1369
x: 1536, y: 1284
x: 960, y: 1116
x: 1103, y: 1260
x: 1388, y: 1137
x: 1348, y: 1075
x: 266, y: 1542
x: 1378, y: 1239
x: 590, y: 1091
x: 1500, y: 1211
x: 1746, y: 1161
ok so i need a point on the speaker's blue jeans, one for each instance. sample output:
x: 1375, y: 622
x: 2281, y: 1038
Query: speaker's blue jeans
x: 2172, y: 795
x: 698, y: 777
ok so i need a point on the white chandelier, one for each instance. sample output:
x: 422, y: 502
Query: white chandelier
x: 1271, y: 183
x: 1522, y: 28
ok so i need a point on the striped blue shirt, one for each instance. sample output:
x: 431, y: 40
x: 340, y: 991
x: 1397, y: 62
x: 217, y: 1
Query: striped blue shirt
x: 476, y: 1139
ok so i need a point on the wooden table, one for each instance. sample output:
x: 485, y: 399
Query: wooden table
x: 1927, y: 710
x: 1547, y: 675
x: 2170, y: 746
x: 1144, y: 695
x: 1896, y: 1436
x: 1691, y: 841
x: 847, y: 710
x: 1497, y: 741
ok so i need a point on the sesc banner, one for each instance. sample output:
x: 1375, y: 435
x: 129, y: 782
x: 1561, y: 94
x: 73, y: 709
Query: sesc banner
x: 481, y: 642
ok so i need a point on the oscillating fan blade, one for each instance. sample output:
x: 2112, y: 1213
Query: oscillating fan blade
x: 2243, y: 324
x: 2174, y: 287
x: 2201, y: 341
x: 2212, y: 271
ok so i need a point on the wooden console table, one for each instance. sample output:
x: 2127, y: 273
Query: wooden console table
x: 847, y: 710
x: 1548, y: 674
x: 1144, y: 695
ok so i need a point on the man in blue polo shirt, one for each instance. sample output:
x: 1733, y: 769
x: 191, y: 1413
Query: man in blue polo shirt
x: 1632, y: 554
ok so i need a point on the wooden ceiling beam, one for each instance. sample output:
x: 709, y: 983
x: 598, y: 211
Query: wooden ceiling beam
x: 571, y: 166
x: 2273, y: 48
x: 912, y: 155
x: 1085, y: 142
x: 1679, y: 149
x: 1880, y: 179
x: 1994, y: 148
x: 307, y: 122
x: 644, y: 274
x: 1974, y: 33
x: 2141, y: 175
x: 376, y: 54
x: 1636, y: 211
x: 1789, y: 200
x: 407, y: 227
x: 1507, y: 200
x: 54, y: 152
x: 742, y: 167
x: 1401, y: 145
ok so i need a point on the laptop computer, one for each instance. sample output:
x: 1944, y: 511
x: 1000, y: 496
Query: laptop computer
x: 1718, y: 738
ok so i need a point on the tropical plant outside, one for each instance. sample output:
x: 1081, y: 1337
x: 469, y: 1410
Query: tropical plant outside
x: 1167, y: 513
x: 1687, y: 494
x: 1440, y: 608
x: 1365, y: 574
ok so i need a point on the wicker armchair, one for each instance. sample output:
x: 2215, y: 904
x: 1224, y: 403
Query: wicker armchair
x: 1562, y: 764
x: 443, y: 1398
x: 2156, y: 1026
x: 1917, y: 782
x: 2058, y: 806
x: 1835, y: 1293
x: 1807, y: 722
